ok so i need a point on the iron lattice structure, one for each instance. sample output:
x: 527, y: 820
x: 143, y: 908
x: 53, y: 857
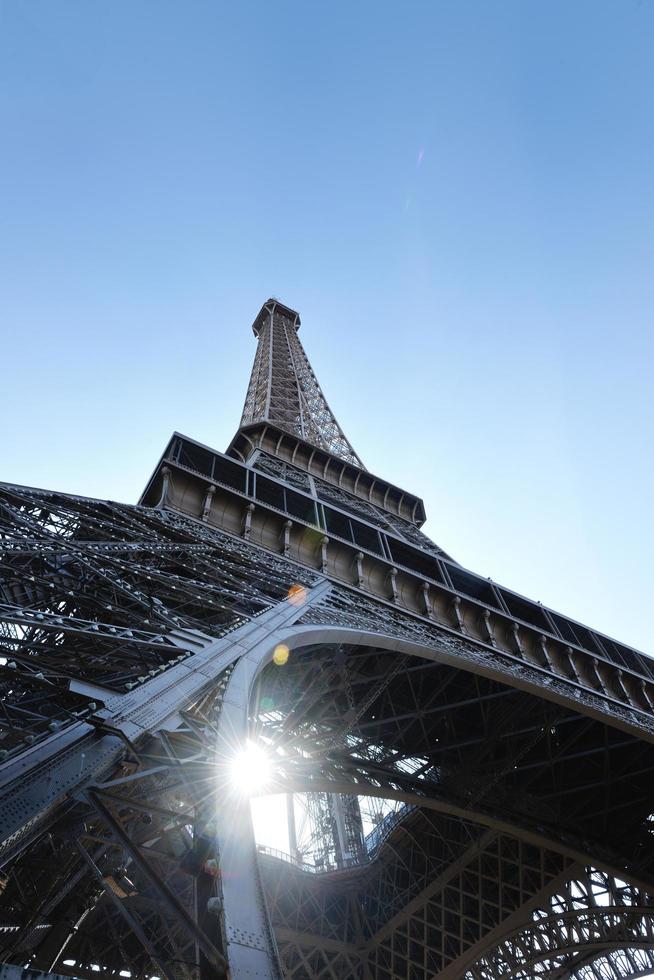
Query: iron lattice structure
x: 468, y: 775
x: 283, y: 388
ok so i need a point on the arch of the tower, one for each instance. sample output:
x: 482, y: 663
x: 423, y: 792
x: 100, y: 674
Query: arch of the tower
x: 514, y: 836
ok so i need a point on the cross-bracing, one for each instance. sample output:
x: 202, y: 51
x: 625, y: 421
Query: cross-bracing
x: 468, y: 774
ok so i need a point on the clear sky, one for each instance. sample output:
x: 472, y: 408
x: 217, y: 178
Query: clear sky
x: 458, y: 196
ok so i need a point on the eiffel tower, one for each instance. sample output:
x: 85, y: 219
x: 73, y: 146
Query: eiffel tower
x: 466, y: 777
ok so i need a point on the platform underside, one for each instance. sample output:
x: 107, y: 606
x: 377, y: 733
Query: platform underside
x: 518, y: 841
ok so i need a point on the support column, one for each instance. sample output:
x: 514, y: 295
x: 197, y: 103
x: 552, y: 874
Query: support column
x: 250, y: 944
x: 292, y: 829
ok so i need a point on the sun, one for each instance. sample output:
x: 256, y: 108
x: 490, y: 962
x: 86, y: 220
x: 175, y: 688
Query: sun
x: 251, y: 769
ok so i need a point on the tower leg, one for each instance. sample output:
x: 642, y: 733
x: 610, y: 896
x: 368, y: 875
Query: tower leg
x: 290, y: 823
x: 250, y: 943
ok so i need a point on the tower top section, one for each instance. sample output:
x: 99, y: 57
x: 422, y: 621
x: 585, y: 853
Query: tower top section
x: 270, y: 306
x: 283, y: 390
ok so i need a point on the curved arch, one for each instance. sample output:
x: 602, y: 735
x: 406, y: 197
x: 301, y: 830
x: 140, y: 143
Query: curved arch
x: 235, y: 838
x: 298, y: 638
x: 583, y: 930
x: 639, y: 964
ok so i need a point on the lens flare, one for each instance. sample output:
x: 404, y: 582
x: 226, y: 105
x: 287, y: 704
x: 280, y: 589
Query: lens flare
x: 297, y: 595
x: 281, y: 654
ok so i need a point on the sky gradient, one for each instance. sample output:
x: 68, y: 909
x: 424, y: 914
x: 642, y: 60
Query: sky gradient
x: 457, y: 196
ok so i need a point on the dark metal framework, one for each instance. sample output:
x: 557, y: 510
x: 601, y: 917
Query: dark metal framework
x: 504, y: 753
x: 284, y: 389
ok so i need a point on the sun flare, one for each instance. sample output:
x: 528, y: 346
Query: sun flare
x: 251, y: 769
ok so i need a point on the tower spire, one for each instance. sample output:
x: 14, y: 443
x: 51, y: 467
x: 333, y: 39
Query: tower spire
x: 283, y: 389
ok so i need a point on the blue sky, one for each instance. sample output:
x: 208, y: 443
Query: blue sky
x: 457, y: 196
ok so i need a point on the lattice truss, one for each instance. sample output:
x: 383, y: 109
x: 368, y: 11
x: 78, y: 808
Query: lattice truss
x: 504, y: 892
x: 96, y: 600
x: 520, y: 844
x: 590, y: 913
x: 284, y: 390
x: 578, y: 922
x: 124, y: 880
x: 110, y: 595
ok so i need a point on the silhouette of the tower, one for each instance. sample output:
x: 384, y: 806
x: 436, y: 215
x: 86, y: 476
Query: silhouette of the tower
x: 468, y: 774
